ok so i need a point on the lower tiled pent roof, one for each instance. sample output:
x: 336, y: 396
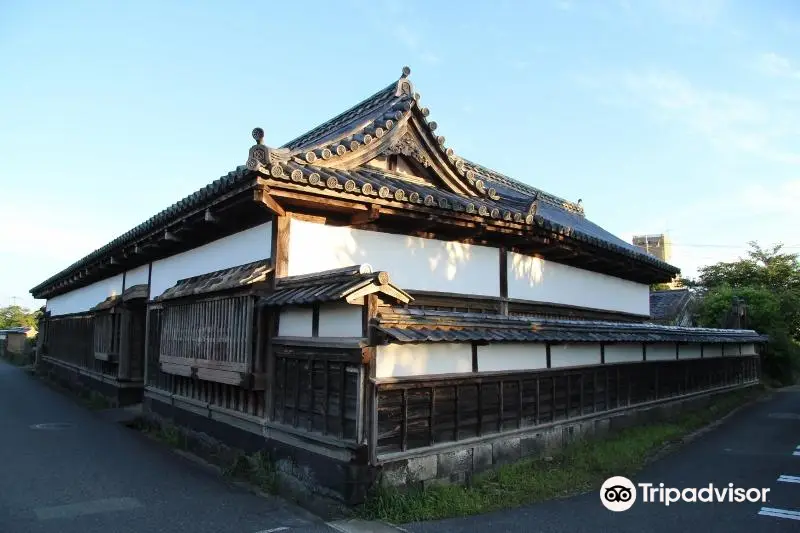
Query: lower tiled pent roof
x: 413, y: 325
x: 221, y: 280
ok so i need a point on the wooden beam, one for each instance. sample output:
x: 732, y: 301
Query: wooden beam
x: 209, y: 217
x: 263, y: 197
x: 169, y: 236
x: 366, y: 217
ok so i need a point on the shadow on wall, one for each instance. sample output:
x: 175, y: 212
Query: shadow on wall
x: 528, y: 268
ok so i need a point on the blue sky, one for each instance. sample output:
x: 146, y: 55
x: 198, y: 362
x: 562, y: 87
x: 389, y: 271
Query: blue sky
x: 680, y: 116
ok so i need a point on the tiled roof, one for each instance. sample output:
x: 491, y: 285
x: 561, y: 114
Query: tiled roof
x: 109, y: 303
x: 362, y: 125
x: 413, y: 325
x: 666, y: 305
x: 136, y: 292
x: 332, y: 285
x: 24, y: 329
x: 221, y: 280
x: 315, y: 156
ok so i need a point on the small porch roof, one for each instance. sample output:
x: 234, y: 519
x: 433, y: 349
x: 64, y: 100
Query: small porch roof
x: 348, y: 283
x: 414, y: 326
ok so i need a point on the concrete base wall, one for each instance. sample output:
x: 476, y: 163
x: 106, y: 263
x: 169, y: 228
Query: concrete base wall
x: 327, y: 485
x: 118, y: 394
x: 457, y: 462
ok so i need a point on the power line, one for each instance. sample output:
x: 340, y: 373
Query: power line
x: 741, y: 246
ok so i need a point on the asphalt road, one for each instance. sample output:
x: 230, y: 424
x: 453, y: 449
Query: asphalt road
x: 93, y: 476
x: 90, y: 475
x: 751, y: 449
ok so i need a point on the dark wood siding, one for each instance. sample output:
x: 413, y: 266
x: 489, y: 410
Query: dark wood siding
x: 318, y: 390
x: 416, y: 413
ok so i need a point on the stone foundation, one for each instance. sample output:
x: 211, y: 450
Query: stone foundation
x: 80, y: 381
x: 322, y: 483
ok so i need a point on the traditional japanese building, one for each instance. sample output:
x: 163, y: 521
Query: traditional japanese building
x: 363, y: 300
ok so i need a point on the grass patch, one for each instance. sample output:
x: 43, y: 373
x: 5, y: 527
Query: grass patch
x: 578, y: 468
x: 256, y: 469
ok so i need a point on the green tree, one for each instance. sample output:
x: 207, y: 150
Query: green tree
x: 15, y: 316
x: 768, y: 281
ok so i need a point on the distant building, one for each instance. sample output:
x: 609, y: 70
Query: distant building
x: 13, y: 340
x: 658, y: 245
x: 672, y: 307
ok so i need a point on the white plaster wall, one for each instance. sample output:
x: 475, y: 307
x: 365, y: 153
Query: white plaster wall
x: 749, y: 349
x: 295, y: 322
x: 398, y: 360
x: 623, y: 353
x: 562, y: 355
x: 535, y: 279
x: 341, y: 320
x: 712, y: 350
x: 238, y: 249
x: 689, y: 351
x: 137, y: 276
x: 730, y: 349
x: 662, y: 351
x: 512, y: 356
x: 85, y: 298
x: 413, y: 263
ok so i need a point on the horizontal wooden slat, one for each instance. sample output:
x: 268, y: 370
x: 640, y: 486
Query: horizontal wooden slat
x: 222, y: 376
x: 177, y: 370
x: 106, y: 356
x: 202, y: 363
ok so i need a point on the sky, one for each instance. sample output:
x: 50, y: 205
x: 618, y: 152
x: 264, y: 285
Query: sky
x: 677, y: 116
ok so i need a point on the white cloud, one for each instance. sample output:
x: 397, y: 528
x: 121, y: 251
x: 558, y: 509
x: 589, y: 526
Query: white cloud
x: 779, y: 66
x: 729, y: 121
x: 718, y: 227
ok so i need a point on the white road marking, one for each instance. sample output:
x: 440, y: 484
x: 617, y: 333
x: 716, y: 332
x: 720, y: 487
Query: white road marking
x: 796, y: 453
x: 355, y: 525
x: 789, y: 479
x: 274, y: 530
x: 779, y: 513
x: 72, y: 510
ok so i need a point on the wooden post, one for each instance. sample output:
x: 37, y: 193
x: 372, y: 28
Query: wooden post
x: 503, y: 280
x: 280, y: 247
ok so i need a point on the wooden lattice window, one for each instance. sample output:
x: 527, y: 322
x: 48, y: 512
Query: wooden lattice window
x: 210, y: 339
x: 106, y: 336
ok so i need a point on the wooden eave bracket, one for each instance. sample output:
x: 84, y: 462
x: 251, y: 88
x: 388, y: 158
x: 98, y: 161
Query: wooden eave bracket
x: 262, y: 196
x: 371, y: 215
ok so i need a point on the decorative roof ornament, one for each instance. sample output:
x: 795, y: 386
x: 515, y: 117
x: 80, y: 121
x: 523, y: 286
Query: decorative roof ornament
x: 406, y: 145
x: 261, y: 157
x: 404, y: 86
